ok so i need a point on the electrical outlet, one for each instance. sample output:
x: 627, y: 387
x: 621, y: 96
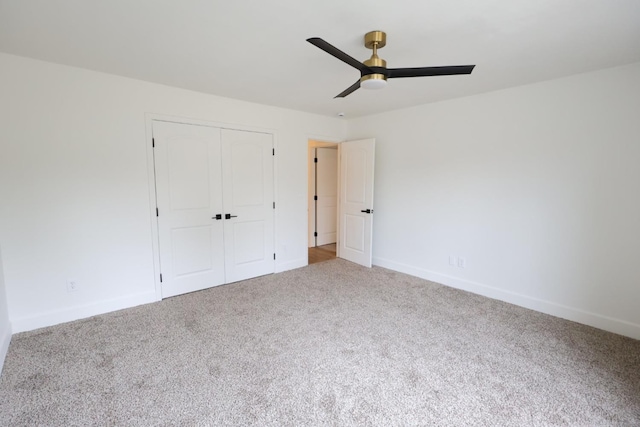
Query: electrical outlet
x: 72, y: 285
x: 462, y: 262
x: 452, y: 260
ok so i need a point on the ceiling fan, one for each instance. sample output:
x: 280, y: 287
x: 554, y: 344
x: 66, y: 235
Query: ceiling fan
x: 374, y: 72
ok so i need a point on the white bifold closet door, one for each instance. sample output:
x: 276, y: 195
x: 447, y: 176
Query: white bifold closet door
x: 215, y: 205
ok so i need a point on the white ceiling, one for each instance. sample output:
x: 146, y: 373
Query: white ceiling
x: 255, y: 50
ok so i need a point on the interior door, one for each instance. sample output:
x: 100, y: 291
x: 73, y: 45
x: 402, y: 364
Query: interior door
x: 189, y: 195
x: 356, y: 200
x: 327, y: 192
x: 247, y: 170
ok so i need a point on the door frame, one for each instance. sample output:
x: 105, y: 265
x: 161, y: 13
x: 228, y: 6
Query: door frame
x: 149, y: 118
x: 312, y: 143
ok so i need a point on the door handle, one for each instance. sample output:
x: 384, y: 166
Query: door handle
x: 217, y: 217
x: 369, y: 211
x: 229, y: 216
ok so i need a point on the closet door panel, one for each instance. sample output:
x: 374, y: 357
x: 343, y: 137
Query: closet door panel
x: 247, y: 168
x: 189, y: 195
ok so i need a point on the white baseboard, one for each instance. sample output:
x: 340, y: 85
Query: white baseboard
x: 291, y: 265
x: 80, y: 312
x: 599, y: 321
x: 5, y: 340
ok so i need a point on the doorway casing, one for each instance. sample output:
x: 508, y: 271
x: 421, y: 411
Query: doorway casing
x: 313, y: 146
x: 355, y: 201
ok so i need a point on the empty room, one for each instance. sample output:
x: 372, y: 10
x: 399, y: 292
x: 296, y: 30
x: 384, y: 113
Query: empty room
x: 320, y: 213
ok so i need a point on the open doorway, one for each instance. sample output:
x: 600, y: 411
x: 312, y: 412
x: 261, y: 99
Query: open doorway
x: 323, y: 200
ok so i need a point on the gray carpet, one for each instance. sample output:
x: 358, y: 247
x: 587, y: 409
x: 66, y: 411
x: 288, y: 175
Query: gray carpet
x: 329, y: 344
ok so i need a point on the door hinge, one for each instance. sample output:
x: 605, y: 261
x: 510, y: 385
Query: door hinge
x: 315, y: 160
x: 274, y: 256
x: 153, y: 142
x: 315, y: 234
x: 157, y: 212
x: 160, y: 277
x: 273, y: 151
x: 315, y: 197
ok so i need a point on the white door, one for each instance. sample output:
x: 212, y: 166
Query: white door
x: 247, y: 170
x: 327, y: 192
x: 356, y: 200
x: 189, y: 195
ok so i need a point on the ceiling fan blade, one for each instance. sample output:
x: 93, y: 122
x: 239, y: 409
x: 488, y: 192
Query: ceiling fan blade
x: 429, y: 71
x: 349, y: 90
x: 334, y: 51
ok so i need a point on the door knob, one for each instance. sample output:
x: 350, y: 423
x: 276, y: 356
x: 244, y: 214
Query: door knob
x: 229, y: 216
x: 217, y: 217
x: 369, y: 211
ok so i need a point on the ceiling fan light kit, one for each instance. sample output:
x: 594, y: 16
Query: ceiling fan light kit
x: 373, y: 81
x: 374, y: 72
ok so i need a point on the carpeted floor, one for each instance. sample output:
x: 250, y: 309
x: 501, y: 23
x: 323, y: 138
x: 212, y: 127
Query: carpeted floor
x: 329, y: 344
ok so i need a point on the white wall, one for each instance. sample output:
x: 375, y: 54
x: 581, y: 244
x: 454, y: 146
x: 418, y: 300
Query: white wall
x: 75, y: 190
x: 5, y: 325
x: 535, y: 186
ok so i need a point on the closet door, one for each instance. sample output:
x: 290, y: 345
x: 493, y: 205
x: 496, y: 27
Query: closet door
x: 189, y: 195
x: 247, y: 170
